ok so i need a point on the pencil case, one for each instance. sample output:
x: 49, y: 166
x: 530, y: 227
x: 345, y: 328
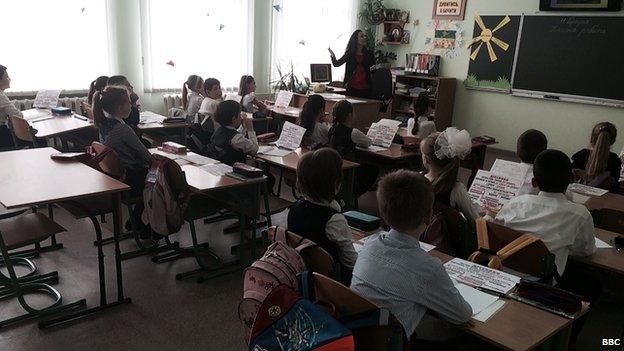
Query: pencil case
x: 61, y: 110
x: 550, y: 296
x: 247, y: 170
x: 173, y: 120
x: 362, y: 221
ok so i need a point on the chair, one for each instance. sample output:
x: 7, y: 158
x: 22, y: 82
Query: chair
x: 609, y: 219
x: 316, y: 258
x: 18, y: 232
x: 381, y: 80
x: 349, y: 305
x: 87, y: 109
x: 501, y: 246
x: 23, y: 133
x: 450, y: 232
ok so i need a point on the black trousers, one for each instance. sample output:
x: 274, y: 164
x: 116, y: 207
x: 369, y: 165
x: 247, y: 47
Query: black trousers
x: 361, y: 93
x: 135, y: 178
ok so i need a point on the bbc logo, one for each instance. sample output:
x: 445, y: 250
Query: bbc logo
x: 611, y: 342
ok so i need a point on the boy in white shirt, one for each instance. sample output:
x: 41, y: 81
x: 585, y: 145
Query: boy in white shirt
x: 212, y: 89
x: 565, y: 227
x: 530, y: 144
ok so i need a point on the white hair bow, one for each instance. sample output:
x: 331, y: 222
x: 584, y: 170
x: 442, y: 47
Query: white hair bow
x: 453, y: 143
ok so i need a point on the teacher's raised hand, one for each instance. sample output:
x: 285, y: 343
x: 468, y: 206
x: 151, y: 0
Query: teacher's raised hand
x: 331, y: 53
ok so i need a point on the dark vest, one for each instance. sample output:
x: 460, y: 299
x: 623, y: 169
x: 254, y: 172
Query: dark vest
x: 340, y: 140
x: 221, y: 146
x: 309, y: 221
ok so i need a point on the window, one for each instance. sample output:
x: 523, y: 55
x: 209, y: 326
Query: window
x: 184, y: 37
x: 54, y: 44
x: 303, y: 30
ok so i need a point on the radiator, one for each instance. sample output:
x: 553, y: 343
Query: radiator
x: 172, y: 100
x: 75, y: 103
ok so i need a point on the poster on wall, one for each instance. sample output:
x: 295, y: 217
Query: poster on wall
x: 449, y: 9
x: 492, y: 50
x: 444, y: 38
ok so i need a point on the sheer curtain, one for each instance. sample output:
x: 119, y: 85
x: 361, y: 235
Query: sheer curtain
x: 54, y: 44
x: 303, y: 30
x: 208, y: 38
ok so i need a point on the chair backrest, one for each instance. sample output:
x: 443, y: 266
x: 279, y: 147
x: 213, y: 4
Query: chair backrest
x: 349, y: 303
x: 87, y: 109
x: 602, y: 180
x: 609, y: 219
x: 22, y: 131
x: 450, y: 232
x: 110, y: 163
x: 315, y: 257
x: 521, y: 252
x: 382, y: 84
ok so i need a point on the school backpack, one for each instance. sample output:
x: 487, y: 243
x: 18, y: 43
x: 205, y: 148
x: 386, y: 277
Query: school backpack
x: 165, y: 195
x: 287, y: 321
x: 279, y: 265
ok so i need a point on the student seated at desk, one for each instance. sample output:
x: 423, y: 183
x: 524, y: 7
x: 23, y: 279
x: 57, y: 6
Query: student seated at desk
x: 530, y: 144
x: 111, y: 108
x: 97, y: 85
x: 191, y: 101
x: 317, y: 216
x: 311, y: 118
x: 441, y: 154
x: 247, y: 91
x: 212, y: 89
x: 394, y: 272
x: 565, y: 227
x: 7, y: 109
x: 228, y: 145
x: 135, y: 114
x: 344, y: 139
x: 598, y: 160
x: 420, y: 126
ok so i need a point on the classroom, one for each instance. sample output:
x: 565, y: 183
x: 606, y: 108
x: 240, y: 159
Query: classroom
x: 339, y: 175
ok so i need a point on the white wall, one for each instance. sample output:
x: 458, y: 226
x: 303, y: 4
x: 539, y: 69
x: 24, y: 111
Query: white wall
x: 567, y: 125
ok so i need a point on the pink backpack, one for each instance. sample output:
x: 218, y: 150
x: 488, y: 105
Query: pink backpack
x: 280, y: 264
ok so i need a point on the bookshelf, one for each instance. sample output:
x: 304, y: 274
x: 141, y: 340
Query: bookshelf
x: 441, y: 97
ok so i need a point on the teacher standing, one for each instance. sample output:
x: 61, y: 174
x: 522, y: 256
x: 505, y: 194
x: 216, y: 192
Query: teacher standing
x: 360, y: 61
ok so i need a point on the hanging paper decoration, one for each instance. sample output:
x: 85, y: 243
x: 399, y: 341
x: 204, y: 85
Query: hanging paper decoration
x: 277, y: 8
x: 487, y: 37
x: 221, y: 26
x: 83, y: 9
x: 302, y: 42
x: 170, y: 63
x: 445, y: 38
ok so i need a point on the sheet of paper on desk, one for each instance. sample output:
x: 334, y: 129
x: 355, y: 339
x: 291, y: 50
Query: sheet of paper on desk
x: 480, y: 276
x: 373, y: 148
x: 489, y: 311
x: 46, y: 98
x: 277, y: 152
x: 511, y: 169
x: 166, y: 154
x: 33, y: 114
x: 600, y: 244
x: 493, y: 190
x: 478, y: 300
x: 354, y: 101
x: 150, y: 117
x: 283, y: 98
x: 332, y: 96
x: 198, y: 159
x: 382, y: 132
x: 577, y: 198
x: 586, y: 189
x: 262, y: 149
x: 291, y: 136
x: 217, y: 169
x: 233, y: 97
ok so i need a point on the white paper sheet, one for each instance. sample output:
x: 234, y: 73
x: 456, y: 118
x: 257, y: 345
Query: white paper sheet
x: 354, y: 101
x: 283, y: 98
x: 489, y: 311
x: 586, y: 189
x: 511, y: 169
x: 373, y: 148
x: 34, y: 114
x: 331, y: 96
x: 382, y: 132
x: 46, y: 98
x: 493, y: 189
x: 150, y: 117
x: 217, y: 169
x: 577, y: 198
x: 478, y: 300
x: 198, y: 159
x: 233, y: 97
x: 275, y: 151
x: 473, y: 274
x: 166, y: 154
x: 291, y: 136
x: 601, y: 244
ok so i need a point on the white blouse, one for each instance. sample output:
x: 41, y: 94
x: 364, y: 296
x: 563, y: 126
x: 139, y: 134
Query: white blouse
x: 7, y: 108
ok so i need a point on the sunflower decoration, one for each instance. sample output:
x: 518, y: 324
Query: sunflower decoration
x: 487, y: 37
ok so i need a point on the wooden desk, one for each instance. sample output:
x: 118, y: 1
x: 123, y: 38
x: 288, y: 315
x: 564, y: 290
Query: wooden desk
x: 157, y: 129
x: 365, y: 112
x: 290, y: 114
x: 59, y: 124
x: 606, y: 259
x: 608, y: 200
x: 289, y: 163
x: 516, y: 326
x: 31, y: 177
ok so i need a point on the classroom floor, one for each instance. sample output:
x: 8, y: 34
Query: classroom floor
x: 167, y: 314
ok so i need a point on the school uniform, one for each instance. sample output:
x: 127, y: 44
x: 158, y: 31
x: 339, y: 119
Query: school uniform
x: 614, y: 164
x: 527, y: 186
x: 395, y: 273
x: 193, y: 105
x: 7, y: 109
x: 345, y: 140
x: 207, y: 109
x: 247, y: 103
x: 229, y: 146
x: 323, y: 223
x: 425, y: 127
x: 318, y: 136
x: 459, y: 199
x: 566, y: 228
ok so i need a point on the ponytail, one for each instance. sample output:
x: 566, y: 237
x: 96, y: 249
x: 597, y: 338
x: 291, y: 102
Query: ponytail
x: 97, y: 85
x: 242, y: 86
x: 184, y: 96
x: 421, y: 106
x: 98, y: 113
x: 448, y: 167
x: 193, y: 82
x: 603, y: 136
x: 342, y: 109
x: 309, y: 112
x: 106, y: 102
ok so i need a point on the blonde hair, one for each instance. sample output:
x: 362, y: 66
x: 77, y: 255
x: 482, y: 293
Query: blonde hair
x: 603, y: 136
x: 194, y: 82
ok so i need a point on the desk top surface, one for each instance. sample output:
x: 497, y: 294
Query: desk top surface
x: 58, y: 124
x: 291, y: 160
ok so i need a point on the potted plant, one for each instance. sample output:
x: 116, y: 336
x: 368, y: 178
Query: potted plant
x: 288, y: 81
x: 373, y: 12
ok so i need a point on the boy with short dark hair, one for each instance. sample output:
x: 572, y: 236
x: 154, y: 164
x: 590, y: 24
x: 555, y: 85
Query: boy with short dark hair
x: 565, y: 227
x: 393, y: 270
x: 529, y: 145
x: 227, y: 144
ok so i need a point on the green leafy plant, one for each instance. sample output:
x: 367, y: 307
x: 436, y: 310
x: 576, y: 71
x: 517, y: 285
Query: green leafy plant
x: 372, y: 12
x: 501, y: 83
x: 288, y: 80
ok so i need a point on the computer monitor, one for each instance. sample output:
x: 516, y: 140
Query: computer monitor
x: 321, y: 72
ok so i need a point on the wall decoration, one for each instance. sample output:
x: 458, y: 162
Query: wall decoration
x: 449, y: 9
x: 492, y: 50
x: 444, y: 38
x: 580, y: 5
x: 406, y: 37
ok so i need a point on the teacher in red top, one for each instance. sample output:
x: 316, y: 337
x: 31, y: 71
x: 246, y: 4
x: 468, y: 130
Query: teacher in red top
x: 360, y: 62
